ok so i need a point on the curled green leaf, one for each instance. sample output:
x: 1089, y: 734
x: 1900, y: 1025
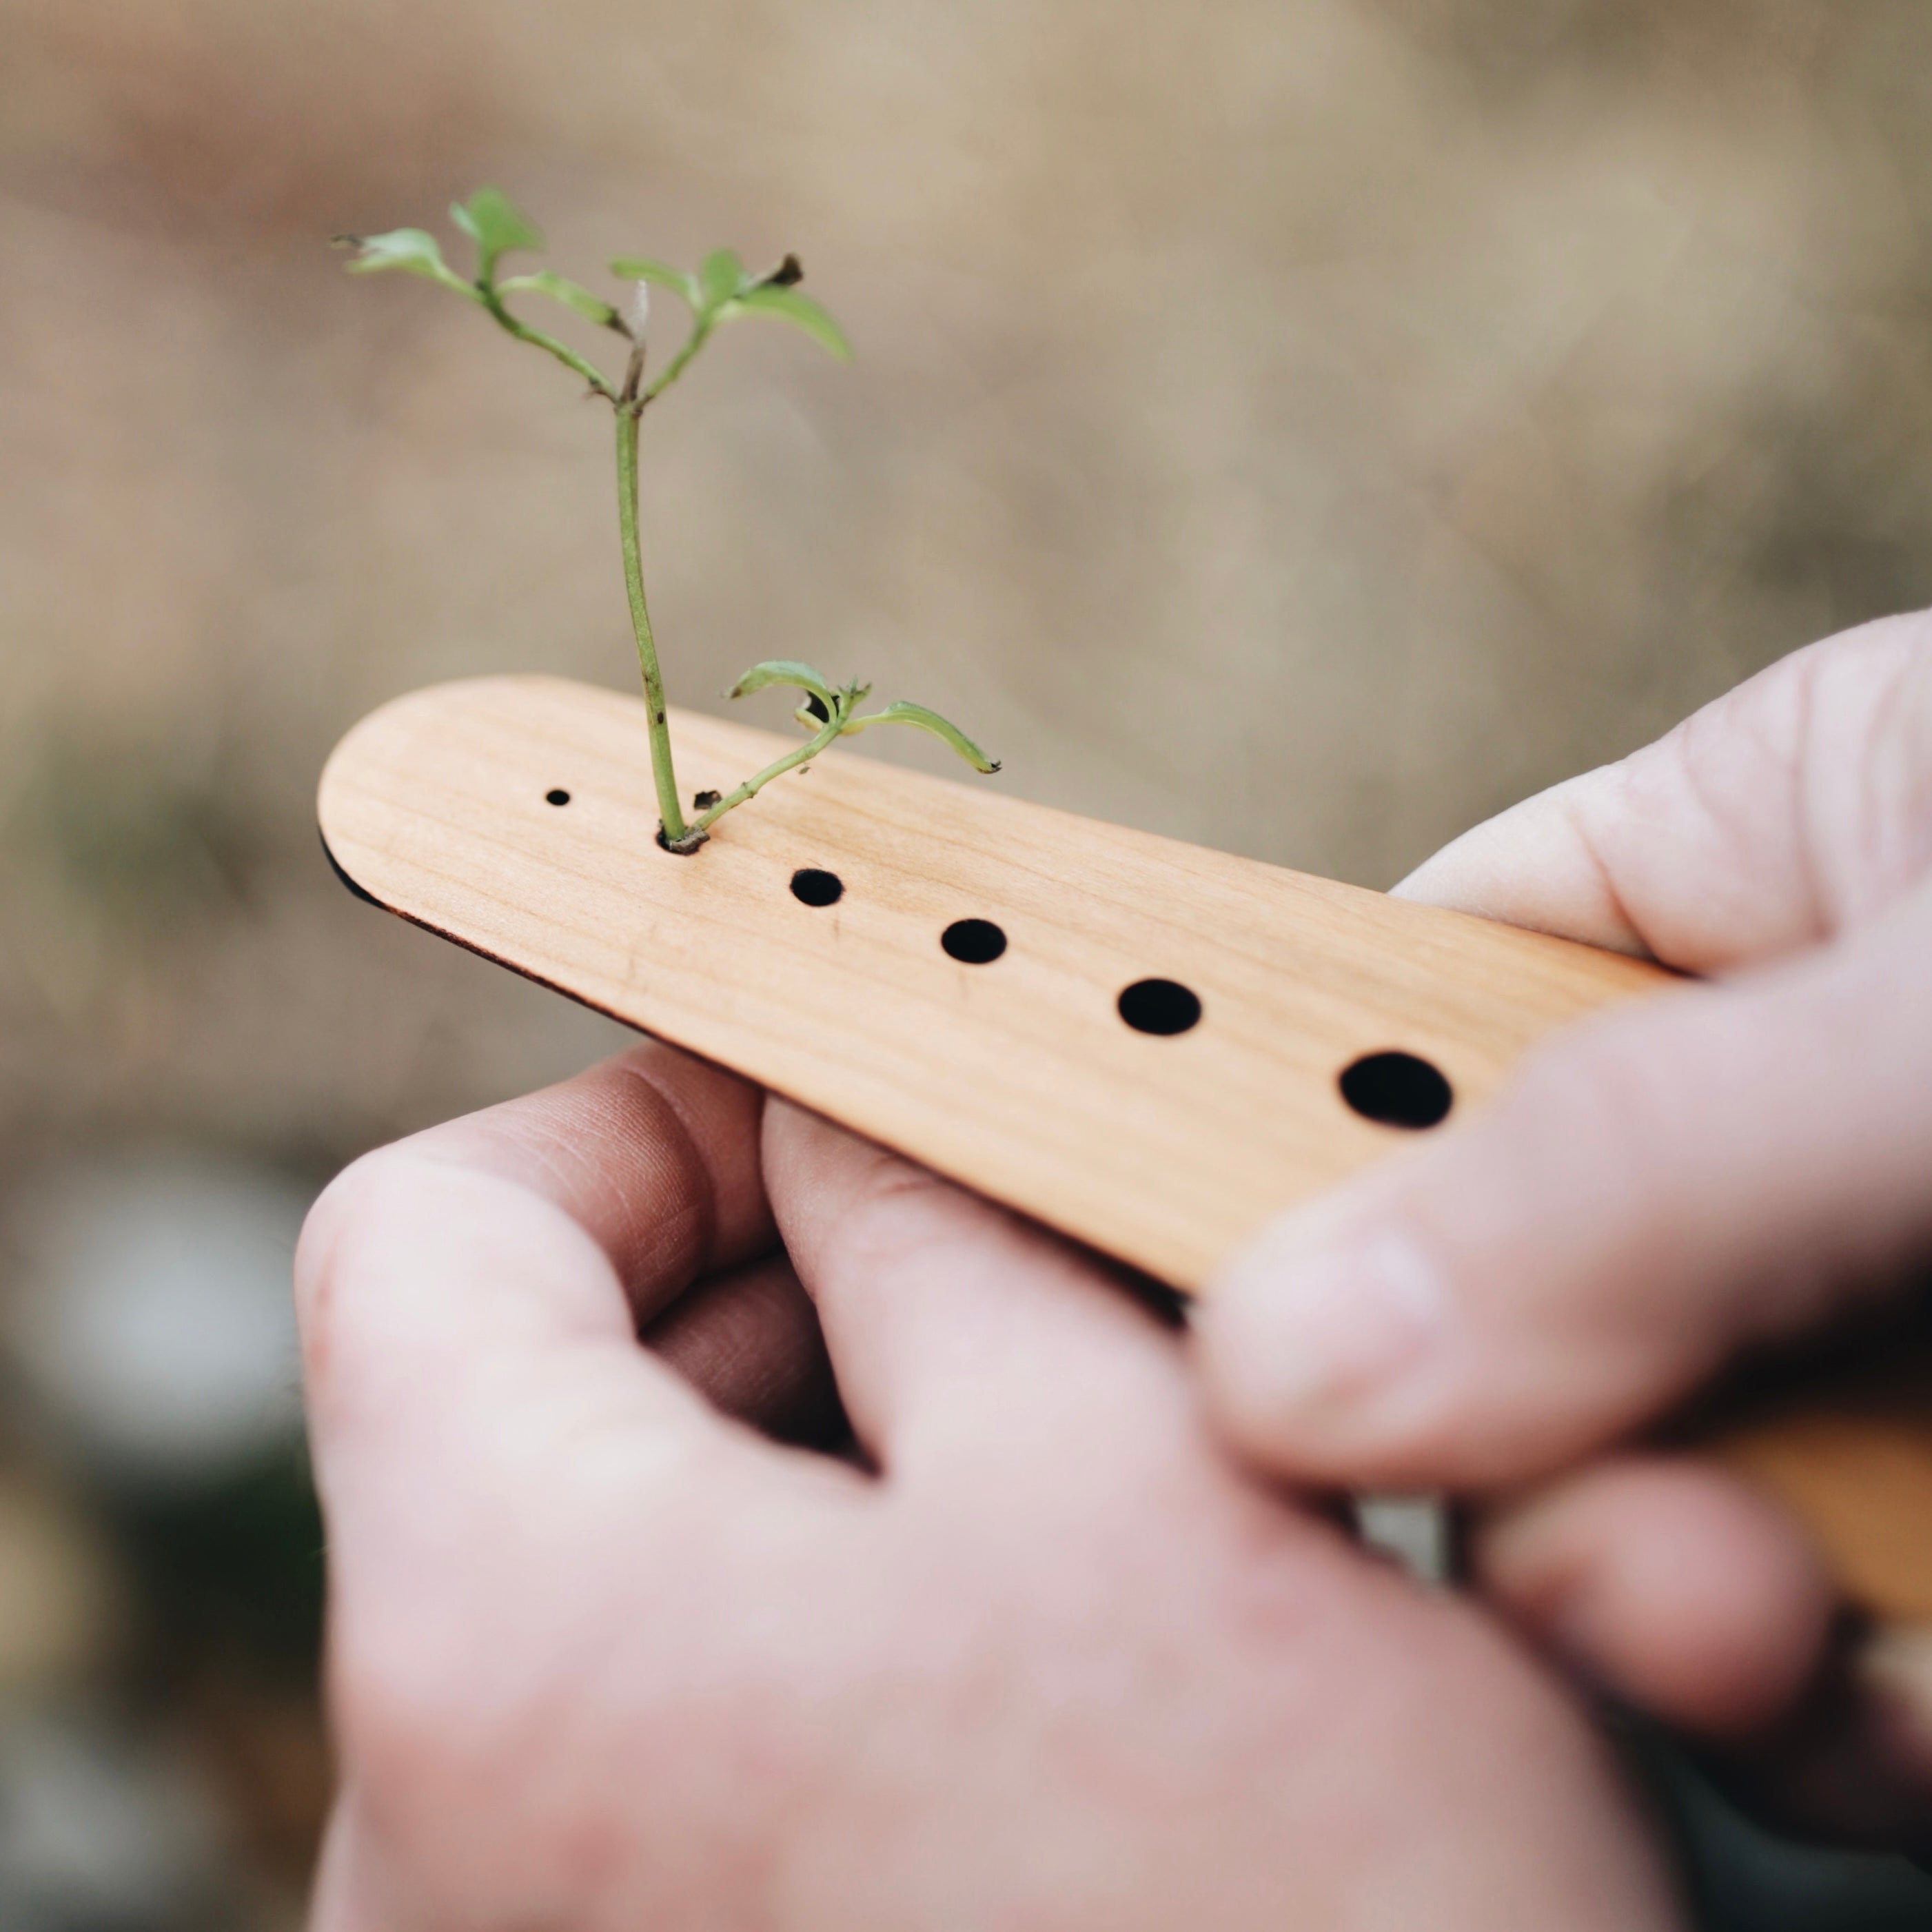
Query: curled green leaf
x: 492, y: 222
x: 721, y: 277
x: 561, y: 288
x: 412, y: 250
x: 791, y: 304
x: 643, y: 268
x: 793, y: 676
x: 904, y: 712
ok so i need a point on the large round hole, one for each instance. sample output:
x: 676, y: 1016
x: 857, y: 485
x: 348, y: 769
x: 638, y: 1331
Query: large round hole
x: 1400, y: 1089
x: 1159, y: 1006
x: 812, y: 887
x: 556, y: 795
x: 973, y: 942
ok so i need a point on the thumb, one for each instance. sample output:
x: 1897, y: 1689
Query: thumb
x: 1727, y: 1164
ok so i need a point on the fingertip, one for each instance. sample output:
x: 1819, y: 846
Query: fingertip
x: 804, y: 1146
x: 315, y: 1257
x: 815, y: 1170
x: 1684, y: 1590
x: 1234, y: 1335
x: 1535, y: 866
x: 1324, y: 1350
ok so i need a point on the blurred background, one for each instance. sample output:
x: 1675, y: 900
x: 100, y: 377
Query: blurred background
x: 1301, y: 425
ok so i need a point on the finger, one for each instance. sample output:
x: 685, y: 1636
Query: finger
x: 346, y: 1897
x: 1668, y: 1581
x: 947, y: 1319
x: 461, y: 1335
x: 654, y: 1153
x: 466, y: 1290
x: 481, y: 1414
x: 1851, y: 1762
x: 749, y: 1342
x: 1651, y: 1167
x: 1718, y: 1167
x: 1788, y: 810
x: 1687, y: 1594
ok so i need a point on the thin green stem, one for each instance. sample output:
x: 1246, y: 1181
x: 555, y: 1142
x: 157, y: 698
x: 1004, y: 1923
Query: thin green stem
x: 701, y: 331
x: 662, y: 772
x: 628, y: 405
x: 757, y: 782
x: 523, y: 331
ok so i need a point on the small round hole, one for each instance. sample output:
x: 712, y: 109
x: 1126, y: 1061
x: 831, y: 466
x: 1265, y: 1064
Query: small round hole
x: 973, y: 942
x: 1159, y: 1006
x: 1400, y: 1089
x: 812, y: 887
x: 556, y: 795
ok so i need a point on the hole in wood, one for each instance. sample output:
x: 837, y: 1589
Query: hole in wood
x: 556, y: 795
x: 973, y: 942
x: 1159, y: 1006
x: 811, y: 886
x: 1399, y: 1090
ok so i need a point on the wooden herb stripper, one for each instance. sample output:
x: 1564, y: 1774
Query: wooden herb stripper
x: 1150, y: 1046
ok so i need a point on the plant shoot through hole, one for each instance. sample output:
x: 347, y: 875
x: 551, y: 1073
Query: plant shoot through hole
x: 721, y: 291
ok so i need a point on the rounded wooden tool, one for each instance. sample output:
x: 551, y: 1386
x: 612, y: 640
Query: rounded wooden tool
x: 1151, y: 1046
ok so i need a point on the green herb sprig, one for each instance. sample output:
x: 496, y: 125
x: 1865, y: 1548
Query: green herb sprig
x: 720, y: 292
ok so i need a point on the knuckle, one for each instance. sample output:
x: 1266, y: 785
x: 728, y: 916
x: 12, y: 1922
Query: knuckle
x: 360, y: 1196
x: 317, y: 1249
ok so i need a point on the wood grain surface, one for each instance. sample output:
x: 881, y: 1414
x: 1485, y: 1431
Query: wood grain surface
x: 1017, y: 1076
x: 1845, y: 1442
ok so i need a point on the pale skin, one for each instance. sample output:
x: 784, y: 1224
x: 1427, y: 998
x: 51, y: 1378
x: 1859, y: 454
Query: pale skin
x: 1742, y: 1163
x: 604, y: 1655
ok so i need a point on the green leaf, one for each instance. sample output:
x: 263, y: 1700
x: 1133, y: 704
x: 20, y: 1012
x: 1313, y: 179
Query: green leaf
x: 790, y: 673
x: 642, y: 268
x: 412, y: 250
x: 902, y: 712
x: 721, y: 277
x: 491, y: 221
x: 793, y: 306
x: 561, y: 288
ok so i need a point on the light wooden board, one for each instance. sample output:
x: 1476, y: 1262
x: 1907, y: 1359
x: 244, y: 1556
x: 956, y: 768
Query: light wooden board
x: 1018, y: 1077
x: 1848, y: 1450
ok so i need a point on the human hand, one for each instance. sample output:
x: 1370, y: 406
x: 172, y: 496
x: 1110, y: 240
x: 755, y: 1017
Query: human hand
x: 1729, y: 1166
x: 602, y: 1658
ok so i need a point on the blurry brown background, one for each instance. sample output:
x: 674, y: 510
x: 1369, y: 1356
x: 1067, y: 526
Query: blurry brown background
x: 1304, y: 425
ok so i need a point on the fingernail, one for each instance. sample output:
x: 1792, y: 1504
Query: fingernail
x: 1304, y: 1328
